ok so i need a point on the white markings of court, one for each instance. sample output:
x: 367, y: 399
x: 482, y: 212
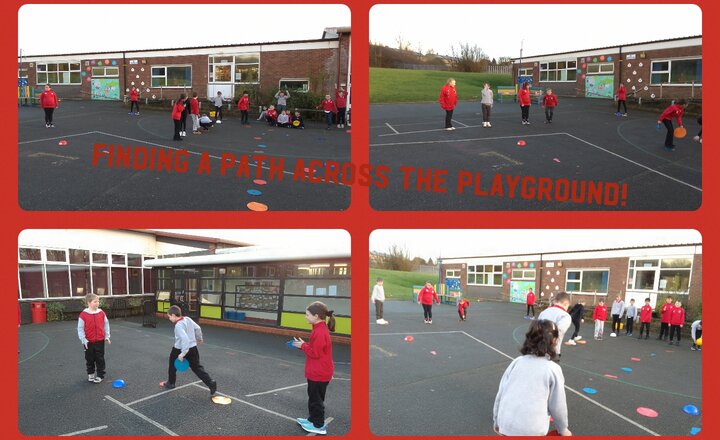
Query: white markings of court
x: 251, y: 404
x: 84, y: 431
x: 56, y: 138
x: 143, y: 416
x: 427, y: 131
x: 390, y: 127
x: 594, y: 402
x: 458, y: 122
x: 276, y: 390
x: 619, y: 156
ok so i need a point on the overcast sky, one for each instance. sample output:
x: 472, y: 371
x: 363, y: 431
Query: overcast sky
x: 543, y: 29
x: 49, y: 29
x: 303, y: 238
x: 434, y: 243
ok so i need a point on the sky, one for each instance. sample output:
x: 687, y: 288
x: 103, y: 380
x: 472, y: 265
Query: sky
x: 93, y: 27
x: 448, y: 243
x: 499, y: 30
x: 304, y: 238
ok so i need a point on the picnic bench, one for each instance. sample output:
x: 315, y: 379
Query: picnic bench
x: 506, y: 91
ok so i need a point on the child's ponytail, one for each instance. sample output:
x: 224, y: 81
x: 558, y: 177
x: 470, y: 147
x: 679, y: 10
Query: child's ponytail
x: 331, y: 320
x: 321, y: 310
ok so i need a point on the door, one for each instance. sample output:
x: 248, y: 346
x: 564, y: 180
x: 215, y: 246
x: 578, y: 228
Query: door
x: 185, y: 292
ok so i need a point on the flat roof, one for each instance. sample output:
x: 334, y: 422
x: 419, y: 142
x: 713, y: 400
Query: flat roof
x: 252, y: 254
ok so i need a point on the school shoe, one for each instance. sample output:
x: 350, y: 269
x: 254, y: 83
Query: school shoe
x: 577, y: 338
x: 309, y: 427
x: 624, y: 115
x: 91, y: 377
x: 571, y: 342
x: 425, y: 321
x: 489, y: 125
x: 213, y: 388
x: 98, y: 379
x: 300, y: 420
x: 381, y: 322
x: 613, y: 335
x: 167, y: 385
x: 430, y: 322
x: 52, y: 125
x: 693, y: 348
x: 47, y: 125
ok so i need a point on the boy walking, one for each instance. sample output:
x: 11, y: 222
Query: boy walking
x: 187, y: 336
x: 576, y: 315
x: 645, y: 318
x: 631, y: 315
x: 599, y: 316
x: 94, y: 330
x: 549, y: 102
x: 558, y: 314
x: 378, y: 297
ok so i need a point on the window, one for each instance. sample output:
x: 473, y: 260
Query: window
x: 119, y: 281
x: 79, y: 280
x: 30, y: 254
x: 58, y: 73
x: 584, y: 280
x: 171, y: 76
x: 294, y: 85
x: 31, y: 281
x: 79, y: 256
x: 452, y: 273
x: 687, y: 71
x: 22, y: 73
x: 98, y: 258
x: 523, y: 274
x: 660, y: 275
x: 600, y: 68
x: 56, y: 255
x: 484, y: 275
x: 554, y: 71
x: 58, y: 281
x: 101, y: 71
x: 247, y: 68
x: 118, y: 259
x: 526, y: 72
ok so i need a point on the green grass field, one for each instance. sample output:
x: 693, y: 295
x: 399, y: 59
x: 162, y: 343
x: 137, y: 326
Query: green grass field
x: 398, y: 285
x: 402, y: 85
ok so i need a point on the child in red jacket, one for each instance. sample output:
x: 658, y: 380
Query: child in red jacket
x: 448, y: 101
x: 549, y: 102
x: 319, y: 365
x: 134, y: 103
x: 328, y: 106
x: 244, y: 106
x: 530, y: 301
x: 599, y: 316
x: 177, y: 112
x: 49, y: 102
x: 426, y: 297
x: 676, y: 111
x: 621, y: 98
x: 271, y: 116
x: 463, y: 304
x: 524, y: 101
x: 645, y: 318
x: 677, y: 320
x: 665, y: 312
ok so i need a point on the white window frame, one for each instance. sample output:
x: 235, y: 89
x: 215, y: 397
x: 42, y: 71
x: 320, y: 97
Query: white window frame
x: 525, y: 274
x: 526, y: 71
x: 600, y: 67
x: 669, y: 71
x: 496, y: 269
x: 580, y: 281
x: 657, y: 269
x: 166, y: 67
x: 559, y: 71
x: 59, y: 72
x: 105, y: 73
x: 305, y: 80
x: 453, y: 273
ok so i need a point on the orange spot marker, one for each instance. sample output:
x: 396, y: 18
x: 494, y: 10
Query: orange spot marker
x: 255, y: 206
x: 260, y: 182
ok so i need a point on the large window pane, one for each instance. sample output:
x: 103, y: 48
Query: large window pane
x: 57, y: 280
x: 148, y: 284
x: 676, y: 263
x: 595, y: 281
x: 179, y: 76
x: 223, y: 73
x: 100, y: 280
x: 645, y: 279
x: 30, y: 254
x: 80, y: 280
x: 31, y: 281
x: 674, y: 280
x: 119, y: 281
x: 246, y: 74
x: 686, y: 71
x: 135, y: 280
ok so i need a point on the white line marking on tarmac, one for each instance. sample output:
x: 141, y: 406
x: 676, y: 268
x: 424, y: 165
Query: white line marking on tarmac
x: 425, y: 131
x: 445, y: 141
x: 276, y: 389
x: 47, y: 342
x: 417, y: 333
x: 84, y: 431
x: 383, y: 351
x: 327, y: 422
x: 58, y: 137
x: 391, y: 128
x: 142, y: 416
x: 636, y: 163
x: 161, y: 393
x: 464, y: 125
x: 251, y: 404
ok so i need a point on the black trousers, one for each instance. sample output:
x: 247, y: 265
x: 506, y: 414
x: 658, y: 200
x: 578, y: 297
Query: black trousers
x: 341, y: 115
x: 378, y: 309
x: 629, y: 325
x: 316, y: 402
x: 616, y: 324
x: 486, y: 112
x: 243, y: 116
x: 525, y: 110
x: 218, y: 113
x: 95, y: 358
x: 530, y: 307
x: 646, y: 327
x: 136, y: 105
x: 675, y: 330
x: 576, y: 323
x: 664, y: 330
x: 670, y: 132
x: 549, y: 113
x: 462, y: 313
x: 698, y: 335
x: 427, y: 311
x: 622, y: 102
x: 448, y: 118
x: 183, y: 121
x: 178, y: 129
x: 48, y: 115
x: 193, y: 358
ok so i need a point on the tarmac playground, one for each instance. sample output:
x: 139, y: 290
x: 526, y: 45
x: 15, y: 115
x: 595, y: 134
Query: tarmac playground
x: 444, y: 382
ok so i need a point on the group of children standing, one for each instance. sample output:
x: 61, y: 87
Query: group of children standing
x: 93, y: 330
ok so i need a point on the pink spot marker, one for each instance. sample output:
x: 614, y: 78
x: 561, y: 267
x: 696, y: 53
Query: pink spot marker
x: 257, y: 138
x: 635, y: 359
x: 409, y: 339
x: 610, y: 376
x: 647, y: 412
x: 668, y: 351
x: 260, y: 182
x: 259, y: 152
x: 347, y: 131
x: 556, y: 160
x: 434, y: 353
x: 521, y: 143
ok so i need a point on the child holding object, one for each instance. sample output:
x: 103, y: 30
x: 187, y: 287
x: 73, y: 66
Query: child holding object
x: 532, y: 387
x: 94, y: 330
x: 187, y: 337
x: 696, y: 333
x: 599, y: 316
x: 676, y: 111
x: 319, y: 366
x: 463, y: 305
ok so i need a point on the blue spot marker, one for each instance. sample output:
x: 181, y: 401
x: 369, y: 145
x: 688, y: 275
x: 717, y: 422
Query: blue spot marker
x: 590, y: 390
x: 694, y: 430
x: 262, y: 146
x: 652, y: 354
x: 118, y: 383
x: 254, y: 192
x: 691, y: 409
x: 626, y: 369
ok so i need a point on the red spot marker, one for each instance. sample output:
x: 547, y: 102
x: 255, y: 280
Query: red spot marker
x: 610, y: 376
x: 62, y: 143
x: 647, y: 412
x: 347, y: 131
x: 635, y: 359
x: 259, y: 182
x: 409, y: 339
x: 556, y: 160
x: 521, y: 143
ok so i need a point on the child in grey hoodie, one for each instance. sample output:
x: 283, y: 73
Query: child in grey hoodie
x: 486, y: 102
x: 532, y: 387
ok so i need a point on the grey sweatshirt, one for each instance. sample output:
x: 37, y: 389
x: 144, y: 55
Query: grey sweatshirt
x: 617, y: 308
x: 631, y: 312
x: 187, y: 335
x: 531, y: 388
x: 378, y: 293
x: 217, y: 100
x: 282, y: 100
x: 487, y: 96
x: 562, y: 320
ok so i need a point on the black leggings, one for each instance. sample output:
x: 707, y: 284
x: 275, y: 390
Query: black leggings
x: 136, y: 105
x: 448, y: 118
x: 576, y: 323
x: 675, y: 330
x: 427, y: 311
x: 622, y: 101
x: 193, y: 358
x: 218, y: 113
x: 243, y: 116
x: 646, y: 327
x: 48, y: 115
x: 616, y: 324
x: 341, y: 115
x: 316, y: 402
x: 670, y: 132
x: 530, y: 307
x: 525, y: 110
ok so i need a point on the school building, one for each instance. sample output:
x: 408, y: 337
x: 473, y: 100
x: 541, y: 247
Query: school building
x: 653, y: 272
x: 663, y: 69
x: 221, y: 282
x: 163, y: 74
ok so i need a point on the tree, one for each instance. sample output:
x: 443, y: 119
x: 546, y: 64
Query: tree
x: 398, y: 259
x: 402, y: 43
x: 469, y: 58
x: 504, y: 61
x: 430, y: 262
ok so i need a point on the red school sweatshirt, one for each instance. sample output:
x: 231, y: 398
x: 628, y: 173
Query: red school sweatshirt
x: 319, y: 366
